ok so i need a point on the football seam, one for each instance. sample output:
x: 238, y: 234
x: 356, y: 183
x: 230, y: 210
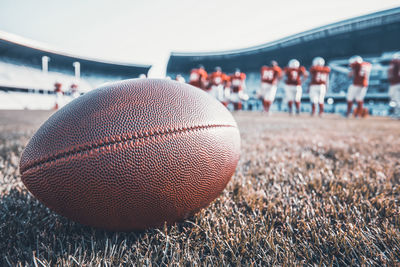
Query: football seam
x: 117, y: 140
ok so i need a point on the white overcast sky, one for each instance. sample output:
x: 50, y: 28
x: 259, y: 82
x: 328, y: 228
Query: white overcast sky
x: 145, y: 31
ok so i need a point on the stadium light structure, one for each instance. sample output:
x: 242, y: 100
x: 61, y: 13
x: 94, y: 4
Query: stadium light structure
x: 45, y: 64
x: 77, y: 67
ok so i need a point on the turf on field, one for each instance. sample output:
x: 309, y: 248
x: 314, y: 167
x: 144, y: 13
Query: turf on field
x: 305, y: 191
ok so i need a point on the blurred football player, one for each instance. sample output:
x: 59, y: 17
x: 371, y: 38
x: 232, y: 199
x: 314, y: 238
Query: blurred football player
x: 217, y: 82
x: 180, y: 78
x: 319, y: 83
x: 360, y: 71
x: 295, y: 75
x: 394, y: 80
x: 238, y: 85
x: 59, y: 95
x: 198, y: 77
x: 270, y: 75
x: 74, y: 90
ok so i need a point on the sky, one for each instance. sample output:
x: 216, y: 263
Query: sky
x: 146, y: 31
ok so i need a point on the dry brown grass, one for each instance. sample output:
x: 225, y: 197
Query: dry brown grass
x: 306, y: 191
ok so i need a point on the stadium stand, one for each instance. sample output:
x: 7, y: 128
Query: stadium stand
x: 29, y: 70
x: 25, y: 77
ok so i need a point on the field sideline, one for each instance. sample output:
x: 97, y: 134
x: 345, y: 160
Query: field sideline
x: 306, y: 191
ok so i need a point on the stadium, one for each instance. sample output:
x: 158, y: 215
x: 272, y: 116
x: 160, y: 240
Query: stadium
x: 29, y: 70
x: 90, y: 158
x: 373, y: 36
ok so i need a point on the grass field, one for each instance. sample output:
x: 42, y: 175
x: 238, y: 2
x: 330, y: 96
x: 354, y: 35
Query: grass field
x: 306, y: 191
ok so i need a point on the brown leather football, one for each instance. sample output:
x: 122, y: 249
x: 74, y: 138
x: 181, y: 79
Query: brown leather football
x: 132, y: 155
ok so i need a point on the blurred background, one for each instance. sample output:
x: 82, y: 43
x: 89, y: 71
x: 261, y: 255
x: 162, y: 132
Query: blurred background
x: 75, y: 46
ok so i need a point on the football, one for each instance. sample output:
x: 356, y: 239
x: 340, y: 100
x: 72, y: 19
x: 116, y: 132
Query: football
x: 133, y: 155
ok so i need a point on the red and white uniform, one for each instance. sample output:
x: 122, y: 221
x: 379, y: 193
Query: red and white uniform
x: 74, y: 90
x: 237, y: 82
x: 198, y: 78
x: 218, y: 81
x: 59, y: 95
x: 358, y: 89
x: 318, y: 85
x: 269, y: 81
x: 394, y: 80
x: 293, y: 89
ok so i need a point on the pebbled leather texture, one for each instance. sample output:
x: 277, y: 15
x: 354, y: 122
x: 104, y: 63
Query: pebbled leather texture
x: 133, y: 154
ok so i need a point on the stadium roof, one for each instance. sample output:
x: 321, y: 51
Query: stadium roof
x: 14, y: 46
x: 361, y: 22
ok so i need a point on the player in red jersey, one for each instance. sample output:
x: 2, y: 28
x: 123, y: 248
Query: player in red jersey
x: 237, y: 83
x: 59, y: 95
x: 217, y: 82
x: 360, y: 73
x: 394, y: 80
x: 319, y: 83
x: 293, y: 90
x: 198, y: 77
x: 269, y: 81
x: 74, y: 90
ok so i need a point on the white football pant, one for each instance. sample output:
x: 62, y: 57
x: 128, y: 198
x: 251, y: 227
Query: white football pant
x: 268, y: 91
x: 356, y: 92
x: 317, y: 93
x: 293, y: 92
